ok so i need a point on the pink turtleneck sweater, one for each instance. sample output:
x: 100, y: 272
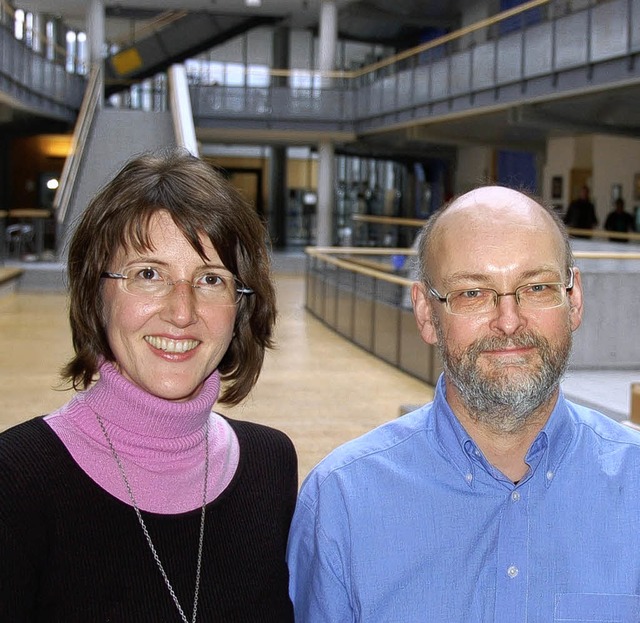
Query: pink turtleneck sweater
x: 160, y: 442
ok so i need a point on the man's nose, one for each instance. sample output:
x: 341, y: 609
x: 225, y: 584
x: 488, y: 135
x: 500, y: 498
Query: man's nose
x: 508, y: 318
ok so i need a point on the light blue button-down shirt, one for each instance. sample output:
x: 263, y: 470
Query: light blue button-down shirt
x: 410, y: 523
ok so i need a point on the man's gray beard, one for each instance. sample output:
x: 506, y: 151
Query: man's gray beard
x: 505, y: 400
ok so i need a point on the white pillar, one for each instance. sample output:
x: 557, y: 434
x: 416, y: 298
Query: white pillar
x: 328, y: 35
x: 326, y: 168
x: 96, y: 35
x: 96, y: 31
x: 326, y: 159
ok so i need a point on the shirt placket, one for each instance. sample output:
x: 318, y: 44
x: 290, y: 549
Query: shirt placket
x: 512, y: 569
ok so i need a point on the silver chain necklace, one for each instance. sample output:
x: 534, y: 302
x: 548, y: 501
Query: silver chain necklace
x: 144, y: 526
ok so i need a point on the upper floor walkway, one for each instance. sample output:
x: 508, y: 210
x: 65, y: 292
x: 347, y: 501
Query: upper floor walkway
x: 557, y: 67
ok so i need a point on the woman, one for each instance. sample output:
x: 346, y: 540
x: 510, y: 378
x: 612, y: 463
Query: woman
x: 134, y: 502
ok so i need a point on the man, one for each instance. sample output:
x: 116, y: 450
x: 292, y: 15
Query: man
x: 581, y: 213
x: 499, y: 501
x: 619, y: 220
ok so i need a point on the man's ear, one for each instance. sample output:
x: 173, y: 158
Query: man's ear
x: 422, y: 310
x: 575, y: 300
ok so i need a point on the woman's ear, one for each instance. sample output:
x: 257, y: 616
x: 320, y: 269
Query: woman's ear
x: 422, y: 310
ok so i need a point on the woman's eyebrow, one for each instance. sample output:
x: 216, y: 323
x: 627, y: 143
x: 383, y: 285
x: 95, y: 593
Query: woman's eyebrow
x: 155, y: 261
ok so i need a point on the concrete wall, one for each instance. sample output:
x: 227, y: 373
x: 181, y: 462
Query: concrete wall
x: 474, y: 168
x: 560, y: 157
x: 609, y: 337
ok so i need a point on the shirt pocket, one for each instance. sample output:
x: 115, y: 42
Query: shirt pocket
x: 596, y: 608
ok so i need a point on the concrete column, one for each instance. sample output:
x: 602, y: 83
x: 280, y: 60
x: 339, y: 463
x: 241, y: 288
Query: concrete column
x: 96, y: 31
x: 326, y: 168
x: 278, y: 196
x: 96, y: 36
x: 280, y: 53
x: 328, y: 35
x: 326, y: 158
x: 278, y: 187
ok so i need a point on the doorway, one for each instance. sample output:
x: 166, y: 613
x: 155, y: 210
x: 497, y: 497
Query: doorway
x: 249, y: 182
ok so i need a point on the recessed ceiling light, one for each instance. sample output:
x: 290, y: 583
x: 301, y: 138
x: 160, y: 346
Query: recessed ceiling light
x: 253, y: 2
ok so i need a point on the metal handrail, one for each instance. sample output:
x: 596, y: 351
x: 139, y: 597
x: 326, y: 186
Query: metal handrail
x: 328, y: 255
x: 416, y: 222
x: 150, y: 28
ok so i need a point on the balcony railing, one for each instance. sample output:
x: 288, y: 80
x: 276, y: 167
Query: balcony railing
x: 358, y: 293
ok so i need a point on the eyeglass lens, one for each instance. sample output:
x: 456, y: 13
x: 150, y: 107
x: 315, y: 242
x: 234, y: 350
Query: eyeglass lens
x: 531, y: 296
x: 215, y: 286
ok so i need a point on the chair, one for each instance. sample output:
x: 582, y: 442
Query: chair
x: 18, y: 238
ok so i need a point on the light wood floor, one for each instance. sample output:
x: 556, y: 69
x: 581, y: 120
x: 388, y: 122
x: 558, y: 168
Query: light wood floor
x: 320, y: 389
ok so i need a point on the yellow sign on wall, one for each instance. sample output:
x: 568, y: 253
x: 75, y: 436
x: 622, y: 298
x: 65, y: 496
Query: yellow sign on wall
x: 126, y: 62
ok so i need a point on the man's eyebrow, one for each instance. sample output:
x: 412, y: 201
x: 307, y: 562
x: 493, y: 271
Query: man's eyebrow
x: 484, y: 280
x: 542, y: 272
x: 468, y: 278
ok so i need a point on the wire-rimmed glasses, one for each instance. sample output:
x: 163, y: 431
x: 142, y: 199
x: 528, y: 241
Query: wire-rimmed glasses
x: 531, y: 296
x: 215, y: 286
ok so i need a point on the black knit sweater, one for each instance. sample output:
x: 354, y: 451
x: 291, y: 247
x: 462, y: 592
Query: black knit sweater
x: 69, y: 551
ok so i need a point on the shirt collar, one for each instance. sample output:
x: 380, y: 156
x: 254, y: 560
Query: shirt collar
x: 546, y: 451
x: 554, y: 439
x: 453, y: 439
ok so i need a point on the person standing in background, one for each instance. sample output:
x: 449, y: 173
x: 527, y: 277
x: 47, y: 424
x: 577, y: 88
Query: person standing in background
x: 581, y: 213
x: 619, y: 220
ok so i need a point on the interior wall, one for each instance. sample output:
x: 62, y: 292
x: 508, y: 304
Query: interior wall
x: 616, y: 161
x: 474, y: 167
x: 302, y: 173
x: 559, y: 162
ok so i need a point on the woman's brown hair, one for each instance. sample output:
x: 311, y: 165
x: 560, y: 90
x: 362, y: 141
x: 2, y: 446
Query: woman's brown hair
x: 200, y: 201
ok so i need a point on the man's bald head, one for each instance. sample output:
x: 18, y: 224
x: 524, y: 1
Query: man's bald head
x: 495, y: 207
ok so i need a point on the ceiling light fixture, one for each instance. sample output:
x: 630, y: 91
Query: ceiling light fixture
x: 253, y: 2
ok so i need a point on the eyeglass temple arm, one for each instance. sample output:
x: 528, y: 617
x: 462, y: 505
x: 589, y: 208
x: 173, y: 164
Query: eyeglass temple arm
x: 109, y: 275
x: 436, y: 294
x: 569, y: 286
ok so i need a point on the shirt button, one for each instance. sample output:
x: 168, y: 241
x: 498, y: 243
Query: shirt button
x: 469, y: 477
x: 550, y: 475
x: 512, y: 571
x: 515, y: 496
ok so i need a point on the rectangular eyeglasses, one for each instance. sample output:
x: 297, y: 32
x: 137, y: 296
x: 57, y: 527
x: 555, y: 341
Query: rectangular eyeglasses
x: 215, y: 286
x: 532, y: 296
